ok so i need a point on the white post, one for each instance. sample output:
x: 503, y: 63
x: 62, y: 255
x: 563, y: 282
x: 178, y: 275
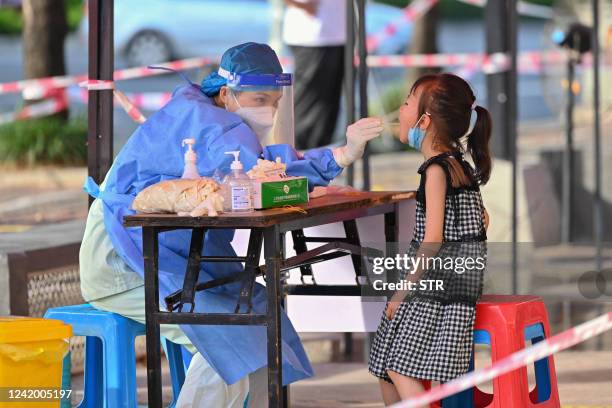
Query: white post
x: 276, y: 25
x: 5, y: 291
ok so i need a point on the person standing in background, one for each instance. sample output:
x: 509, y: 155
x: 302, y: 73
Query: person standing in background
x: 315, y: 31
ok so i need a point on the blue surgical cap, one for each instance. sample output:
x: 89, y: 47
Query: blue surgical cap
x: 247, y: 58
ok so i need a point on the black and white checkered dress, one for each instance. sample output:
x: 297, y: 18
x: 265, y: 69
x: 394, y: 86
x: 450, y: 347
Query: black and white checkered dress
x: 430, y: 336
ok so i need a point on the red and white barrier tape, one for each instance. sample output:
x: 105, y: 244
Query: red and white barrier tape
x: 97, y: 85
x: 179, y: 65
x: 523, y: 7
x: 39, y: 88
x: 490, y: 63
x: 468, y: 63
x: 142, y: 100
x: 42, y: 84
x: 419, y: 7
x: 150, y: 100
x: 416, y: 9
x: 44, y: 108
x: 130, y: 109
x: 528, y: 61
x: 519, y: 359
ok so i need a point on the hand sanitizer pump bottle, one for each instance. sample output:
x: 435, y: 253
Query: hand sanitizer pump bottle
x: 237, y: 188
x: 191, y: 168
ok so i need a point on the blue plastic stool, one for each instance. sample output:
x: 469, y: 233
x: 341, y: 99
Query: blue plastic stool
x: 533, y: 334
x: 110, y: 359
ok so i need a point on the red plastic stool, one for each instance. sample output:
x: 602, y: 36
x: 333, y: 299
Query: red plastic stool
x: 505, y: 322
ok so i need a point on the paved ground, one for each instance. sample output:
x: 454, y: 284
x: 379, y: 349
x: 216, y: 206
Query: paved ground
x: 585, y: 381
x: 40, y: 196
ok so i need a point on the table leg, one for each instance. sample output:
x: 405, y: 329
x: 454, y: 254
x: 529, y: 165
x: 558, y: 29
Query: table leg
x: 284, y: 278
x: 392, y: 239
x: 150, y: 252
x: 192, y: 273
x: 392, y: 225
x: 250, y: 271
x: 286, y: 398
x: 272, y: 253
x: 299, y: 245
x: 352, y: 236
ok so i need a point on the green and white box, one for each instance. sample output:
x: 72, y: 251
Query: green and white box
x: 288, y: 191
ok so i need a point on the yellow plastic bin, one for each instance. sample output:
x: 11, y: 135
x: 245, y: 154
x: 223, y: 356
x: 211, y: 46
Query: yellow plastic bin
x: 31, y: 355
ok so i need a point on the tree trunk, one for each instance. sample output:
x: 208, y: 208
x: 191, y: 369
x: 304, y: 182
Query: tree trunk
x: 44, y: 32
x: 424, y: 41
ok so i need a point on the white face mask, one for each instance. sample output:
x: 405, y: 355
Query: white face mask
x: 260, y: 119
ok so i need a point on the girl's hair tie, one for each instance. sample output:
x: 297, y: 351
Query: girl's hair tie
x: 473, y: 119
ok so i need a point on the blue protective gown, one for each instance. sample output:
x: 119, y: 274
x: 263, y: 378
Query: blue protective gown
x: 152, y: 154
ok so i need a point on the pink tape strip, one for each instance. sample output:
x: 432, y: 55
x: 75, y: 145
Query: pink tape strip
x: 129, y: 107
x: 97, y: 85
x: 410, y: 14
x: 44, y: 108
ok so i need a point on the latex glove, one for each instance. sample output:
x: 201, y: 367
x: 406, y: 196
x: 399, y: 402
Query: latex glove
x: 267, y: 168
x: 319, y: 191
x: 210, y: 206
x: 357, y: 136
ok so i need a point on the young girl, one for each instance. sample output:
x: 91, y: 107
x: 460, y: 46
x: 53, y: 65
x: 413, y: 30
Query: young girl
x: 428, y: 335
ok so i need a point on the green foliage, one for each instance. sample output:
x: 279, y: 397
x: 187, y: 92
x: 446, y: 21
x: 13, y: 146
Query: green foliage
x: 11, y: 21
x: 44, y: 141
x: 74, y: 13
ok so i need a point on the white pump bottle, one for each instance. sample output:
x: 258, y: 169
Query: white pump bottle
x: 191, y: 168
x: 237, y: 187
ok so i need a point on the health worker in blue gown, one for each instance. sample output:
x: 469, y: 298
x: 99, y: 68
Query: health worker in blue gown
x: 243, y: 106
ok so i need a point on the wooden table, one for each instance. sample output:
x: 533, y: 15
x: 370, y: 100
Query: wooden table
x: 268, y: 228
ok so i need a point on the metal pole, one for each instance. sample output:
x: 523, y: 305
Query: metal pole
x: 511, y: 128
x: 363, y: 86
x: 100, y: 107
x: 597, y: 204
x: 349, y: 75
x: 568, y: 159
x: 497, y: 39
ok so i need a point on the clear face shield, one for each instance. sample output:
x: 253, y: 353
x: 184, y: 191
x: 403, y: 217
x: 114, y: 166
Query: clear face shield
x: 265, y: 103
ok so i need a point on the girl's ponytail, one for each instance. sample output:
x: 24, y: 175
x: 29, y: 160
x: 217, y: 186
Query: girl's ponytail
x: 478, y: 144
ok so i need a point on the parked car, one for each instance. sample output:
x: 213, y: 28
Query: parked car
x: 152, y: 31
